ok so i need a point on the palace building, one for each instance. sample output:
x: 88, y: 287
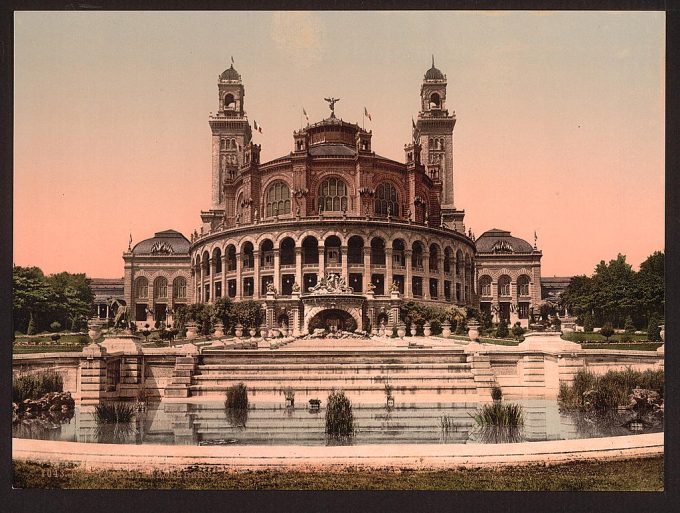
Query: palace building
x: 333, y: 229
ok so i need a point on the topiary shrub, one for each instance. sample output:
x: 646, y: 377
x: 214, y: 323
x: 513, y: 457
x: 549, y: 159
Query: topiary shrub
x: 629, y: 327
x: 653, y: 330
x: 517, y: 330
x: 55, y: 326
x: 339, y: 416
x: 588, y: 323
x: 31, y: 325
x: 607, y: 330
x: 502, y: 330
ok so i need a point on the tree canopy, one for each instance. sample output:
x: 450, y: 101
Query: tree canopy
x: 615, y: 292
x: 64, y: 298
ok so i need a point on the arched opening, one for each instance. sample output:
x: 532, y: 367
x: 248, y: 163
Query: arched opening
x: 267, y: 254
x: 435, y: 101
x: 523, y: 285
x: 160, y: 288
x: 504, y: 286
x: 287, y: 250
x: 448, y: 255
x: 141, y: 288
x: 417, y: 256
x: 229, y: 102
x: 377, y: 251
x: 355, y: 250
x: 206, y: 263
x: 459, y: 262
x: 310, y: 250
x: 179, y: 288
x: 217, y: 260
x: 231, y: 257
x: 332, y: 247
x: 485, y: 286
x: 398, y: 248
x: 277, y: 199
x: 386, y: 200
x: 333, y: 320
x: 333, y: 195
x: 247, y: 255
x: 434, y: 257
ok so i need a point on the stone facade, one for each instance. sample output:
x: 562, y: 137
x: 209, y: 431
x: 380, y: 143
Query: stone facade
x: 508, y: 276
x: 333, y: 207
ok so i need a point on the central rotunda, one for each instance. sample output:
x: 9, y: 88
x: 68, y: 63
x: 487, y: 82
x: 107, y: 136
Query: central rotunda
x: 333, y: 230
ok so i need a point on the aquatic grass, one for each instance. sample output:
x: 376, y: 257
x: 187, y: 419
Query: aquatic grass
x: 339, y: 416
x: 113, y: 413
x: 34, y: 386
x: 499, y: 414
x: 237, y: 397
x: 610, y: 390
x: 496, y: 393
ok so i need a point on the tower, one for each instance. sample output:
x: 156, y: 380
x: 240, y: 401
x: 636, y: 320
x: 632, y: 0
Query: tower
x: 231, y: 133
x: 435, y: 126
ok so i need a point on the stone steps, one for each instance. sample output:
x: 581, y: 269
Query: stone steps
x: 331, y: 368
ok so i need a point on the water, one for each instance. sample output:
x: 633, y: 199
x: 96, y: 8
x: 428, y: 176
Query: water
x: 208, y: 423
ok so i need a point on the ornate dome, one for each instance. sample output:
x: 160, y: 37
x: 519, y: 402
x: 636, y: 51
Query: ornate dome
x: 168, y: 242
x: 433, y: 73
x: 500, y: 241
x: 230, y: 74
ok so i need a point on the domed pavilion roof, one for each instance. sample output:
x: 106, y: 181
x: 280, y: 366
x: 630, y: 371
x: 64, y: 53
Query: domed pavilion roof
x: 500, y: 241
x: 230, y: 74
x: 168, y: 242
x: 433, y: 73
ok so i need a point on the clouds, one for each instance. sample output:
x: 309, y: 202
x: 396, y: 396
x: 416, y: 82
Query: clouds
x: 296, y: 32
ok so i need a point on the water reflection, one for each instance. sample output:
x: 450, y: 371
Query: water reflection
x: 497, y: 435
x: 209, y: 423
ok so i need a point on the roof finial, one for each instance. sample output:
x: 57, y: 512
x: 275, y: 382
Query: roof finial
x: 433, y: 60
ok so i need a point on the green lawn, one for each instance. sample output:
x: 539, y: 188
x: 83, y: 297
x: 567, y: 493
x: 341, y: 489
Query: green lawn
x: 44, y: 344
x: 643, y: 346
x: 637, y: 475
x: 596, y: 337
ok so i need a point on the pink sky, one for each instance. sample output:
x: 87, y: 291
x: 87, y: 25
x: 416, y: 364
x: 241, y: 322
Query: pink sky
x: 560, y: 119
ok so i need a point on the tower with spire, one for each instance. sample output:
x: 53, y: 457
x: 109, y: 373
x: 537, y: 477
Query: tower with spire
x: 434, y: 128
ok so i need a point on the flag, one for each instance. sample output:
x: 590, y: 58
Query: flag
x: 305, y: 113
x: 366, y: 113
x: 413, y: 123
x: 130, y: 243
x: 257, y: 127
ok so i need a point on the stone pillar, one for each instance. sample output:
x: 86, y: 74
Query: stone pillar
x: 367, y: 267
x: 92, y: 374
x: 108, y: 311
x: 271, y: 305
x: 426, y: 275
x: 298, y: 267
x: 256, y: 273
x: 239, y: 285
x: 343, y: 260
x: 277, y: 270
x: 440, y: 285
x: 295, y: 317
x: 322, y: 259
x: 200, y: 281
x: 211, y: 263
x: 408, y: 280
x: 225, y: 289
x: 388, y: 269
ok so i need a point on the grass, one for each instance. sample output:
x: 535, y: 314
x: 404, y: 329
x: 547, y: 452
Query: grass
x: 34, y: 386
x: 609, y: 390
x: 499, y: 414
x: 581, y: 336
x: 47, y: 349
x: 643, y: 346
x: 486, y: 340
x: 44, y: 344
x: 627, y: 475
x: 115, y: 413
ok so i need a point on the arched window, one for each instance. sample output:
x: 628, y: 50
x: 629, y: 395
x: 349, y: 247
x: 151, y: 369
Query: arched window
x: 278, y: 199
x: 485, y: 285
x: 179, y: 288
x: 333, y: 195
x: 504, y: 285
x: 386, y: 197
x: 523, y: 285
x: 435, y: 101
x: 229, y: 102
x: 160, y: 288
x: 142, y: 288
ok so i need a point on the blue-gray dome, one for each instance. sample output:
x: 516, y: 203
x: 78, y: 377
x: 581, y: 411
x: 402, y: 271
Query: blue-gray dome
x: 230, y: 74
x: 168, y: 242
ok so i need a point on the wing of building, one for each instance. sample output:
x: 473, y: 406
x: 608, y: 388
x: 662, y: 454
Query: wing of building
x: 332, y: 229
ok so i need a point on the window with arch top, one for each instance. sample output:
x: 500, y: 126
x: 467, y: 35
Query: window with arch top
x: 333, y: 195
x: 277, y: 199
x: 386, y: 197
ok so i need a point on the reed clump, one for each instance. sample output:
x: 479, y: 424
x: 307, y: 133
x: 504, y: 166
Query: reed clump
x: 114, y: 413
x: 34, y: 386
x: 339, y: 416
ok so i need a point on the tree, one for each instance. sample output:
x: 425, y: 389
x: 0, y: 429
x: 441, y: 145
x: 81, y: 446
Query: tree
x: 502, y: 330
x: 33, y: 298
x: 31, y: 325
x: 615, y: 290
x: 629, y: 327
x: 607, y: 331
x: 653, y: 331
x: 75, y: 297
x: 588, y: 322
x: 651, y: 286
x: 517, y: 330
